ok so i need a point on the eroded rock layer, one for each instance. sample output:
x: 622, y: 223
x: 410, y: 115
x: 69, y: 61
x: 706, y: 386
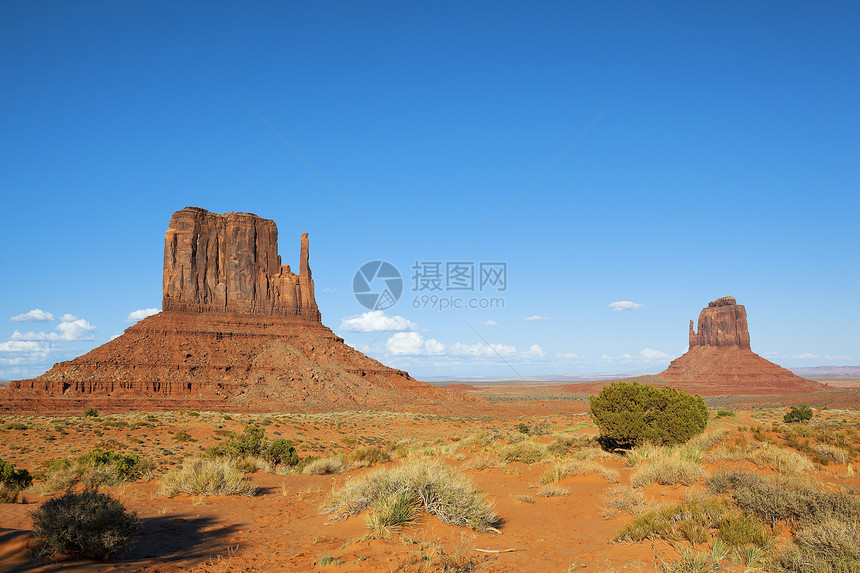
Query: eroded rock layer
x: 720, y: 361
x: 234, y: 362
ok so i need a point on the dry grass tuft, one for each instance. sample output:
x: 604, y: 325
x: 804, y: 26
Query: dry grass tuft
x: 331, y: 465
x: 439, y: 490
x: 207, y: 476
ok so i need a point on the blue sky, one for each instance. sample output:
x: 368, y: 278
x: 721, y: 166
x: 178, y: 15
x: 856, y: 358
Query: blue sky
x: 663, y: 154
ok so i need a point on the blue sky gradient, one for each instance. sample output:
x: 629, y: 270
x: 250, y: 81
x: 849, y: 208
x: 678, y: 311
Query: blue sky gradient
x: 716, y: 151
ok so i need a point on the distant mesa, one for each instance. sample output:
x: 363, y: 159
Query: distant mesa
x: 720, y: 361
x: 239, y: 331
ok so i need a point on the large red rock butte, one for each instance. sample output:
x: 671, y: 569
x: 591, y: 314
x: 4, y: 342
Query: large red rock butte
x: 238, y: 331
x: 720, y: 361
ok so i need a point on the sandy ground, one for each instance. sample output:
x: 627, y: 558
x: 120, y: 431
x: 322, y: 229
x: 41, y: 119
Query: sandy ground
x: 282, y: 528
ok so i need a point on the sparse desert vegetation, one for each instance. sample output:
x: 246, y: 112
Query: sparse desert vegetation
x: 751, y: 492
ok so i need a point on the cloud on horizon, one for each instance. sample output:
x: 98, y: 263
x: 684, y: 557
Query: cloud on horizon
x: 536, y: 317
x: 35, y: 315
x: 488, y: 323
x: 645, y: 355
x: 413, y: 344
x: 376, y: 321
x: 68, y: 330
x: 140, y: 314
x: 623, y: 305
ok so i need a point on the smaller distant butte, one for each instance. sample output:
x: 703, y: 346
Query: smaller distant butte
x: 720, y: 361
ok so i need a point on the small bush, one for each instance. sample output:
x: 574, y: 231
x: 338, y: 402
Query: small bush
x: 332, y: 465
x: 624, y: 498
x: 527, y: 452
x: 801, y: 413
x: 93, y: 469
x: 250, y: 442
x: 795, y: 501
x: 668, y: 469
x: 740, y: 530
x: 629, y: 413
x: 91, y: 413
x: 207, y: 476
x: 13, y: 477
x: 439, y: 489
x: 282, y: 452
x: 724, y: 414
x: 183, y: 436
x: 833, y: 544
x: 87, y: 524
x: 686, y: 520
x: 17, y: 426
x: 364, y: 456
x: 783, y: 460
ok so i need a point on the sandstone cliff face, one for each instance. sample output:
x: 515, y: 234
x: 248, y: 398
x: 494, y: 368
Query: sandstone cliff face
x: 722, y: 323
x: 230, y: 263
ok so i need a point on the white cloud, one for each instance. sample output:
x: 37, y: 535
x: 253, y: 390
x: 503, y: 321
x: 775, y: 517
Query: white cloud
x: 488, y: 323
x: 645, y: 355
x: 413, y: 343
x: 537, y: 317
x: 140, y: 314
x: 480, y: 349
x: 376, y: 321
x: 35, y: 315
x: 68, y: 330
x: 650, y: 354
x: 625, y: 305
x: 807, y: 356
x: 17, y: 352
x: 68, y: 318
x: 569, y: 356
x: 535, y: 351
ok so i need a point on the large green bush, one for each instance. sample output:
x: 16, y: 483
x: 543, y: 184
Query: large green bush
x: 802, y: 413
x: 629, y: 413
x: 87, y: 524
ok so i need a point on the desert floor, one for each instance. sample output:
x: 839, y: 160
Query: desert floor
x: 283, y: 528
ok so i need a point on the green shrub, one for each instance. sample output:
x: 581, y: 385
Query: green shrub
x: 740, y: 530
x: 88, y: 524
x: 802, y: 413
x: 183, y: 436
x: 282, y: 452
x: 629, y: 413
x: 250, y: 442
x: 724, y: 414
x: 91, y: 413
x: 93, y: 469
x: 13, y: 477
